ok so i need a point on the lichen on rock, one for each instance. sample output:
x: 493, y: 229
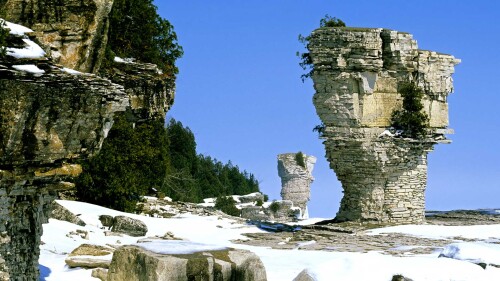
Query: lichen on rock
x: 356, y: 74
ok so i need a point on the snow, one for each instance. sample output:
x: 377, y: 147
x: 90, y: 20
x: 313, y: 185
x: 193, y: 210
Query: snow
x: 71, y: 71
x: 476, y: 252
x: 16, y: 29
x: 178, y: 247
x: 30, y: 51
x: 125, y: 60
x: 31, y: 68
x: 442, y: 231
x: 212, y: 232
x: 386, y: 133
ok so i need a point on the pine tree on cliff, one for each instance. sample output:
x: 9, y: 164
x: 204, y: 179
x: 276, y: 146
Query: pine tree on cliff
x: 411, y: 120
x: 137, y: 31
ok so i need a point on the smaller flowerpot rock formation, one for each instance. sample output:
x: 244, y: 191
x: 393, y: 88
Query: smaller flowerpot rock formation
x: 295, y: 171
x: 358, y: 74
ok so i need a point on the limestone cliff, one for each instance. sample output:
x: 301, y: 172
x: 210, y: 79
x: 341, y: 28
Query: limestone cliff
x: 296, y: 180
x: 356, y: 76
x: 49, y: 116
x: 72, y: 32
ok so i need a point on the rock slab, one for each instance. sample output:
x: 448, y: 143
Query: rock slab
x: 133, y: 263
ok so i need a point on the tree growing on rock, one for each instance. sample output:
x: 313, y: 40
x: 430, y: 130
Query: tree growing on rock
x: 410, y: 119
x: 305, y: 58
x: 136, y: 30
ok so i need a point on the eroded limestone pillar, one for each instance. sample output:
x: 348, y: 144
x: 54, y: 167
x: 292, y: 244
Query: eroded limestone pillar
x: 357, y: 73
x: 296, y: 178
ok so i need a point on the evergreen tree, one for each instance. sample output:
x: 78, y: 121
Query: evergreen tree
x: 130, y: 162
x: 411, y: 120
x: 136, y: 30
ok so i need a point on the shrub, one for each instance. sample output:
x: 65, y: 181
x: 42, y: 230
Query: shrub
x: 161, y: 195
x: 266, y: 197
x: 411, y: 120
x: 320, y: 129
x: 227, y: 205
x: 306, y: 62
x: 3, y: 38
x: 328, y: 21
x: 275, y: 206
x: 299, y: 159
x: 259, y: 203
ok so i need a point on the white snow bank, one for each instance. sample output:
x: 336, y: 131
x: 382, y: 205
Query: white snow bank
x: 30, y: 51
x: 442, y: 231
x: 373, y: 266
x: 386, y: 133
x: 125, y: 60
x: 178, y: 247
x: 473, y: 252
x: 16, y: 29
x: 71, y: 71
x: 31, y: 68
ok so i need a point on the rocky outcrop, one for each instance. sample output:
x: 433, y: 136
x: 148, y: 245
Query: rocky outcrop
x: 61, y: 213
x: 357, y: 72
x: 280, y: 211
x: 129, y: 226
x: 295, y: 171
x: 73, y: 32
x: 50, y: 117
x: 151, y: 94
x: 142, y: 263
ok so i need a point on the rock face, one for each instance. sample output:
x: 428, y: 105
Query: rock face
x: 151, y: 93
x: 49, y: 117
x: 296, y: 179
x: 72, y: 32
x: 133, y: 263
x: 356, y: 76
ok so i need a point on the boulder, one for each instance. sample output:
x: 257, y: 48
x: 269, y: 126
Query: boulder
x: 87, y: 262
x: 61, y: 213
x: 90, y: 256
x: 129, y: 226
x: 252, y: 197
x: 133, y: 263
x: 100, y: 273
x: 106, y: 220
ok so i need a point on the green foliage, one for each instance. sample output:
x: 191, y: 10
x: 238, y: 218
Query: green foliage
x: 136, y: 30
x: 299, y: 159
x: 130, y: 162
x: 266, y: 197
x: 328, y: 21
x: 320, y: 129
x: 275, y: 206
x: 195, y: 176
x: 306, y: 62
x: 411, y: 120
x: 259, y: 203
x: 227, y: 205
x: 4, y: 33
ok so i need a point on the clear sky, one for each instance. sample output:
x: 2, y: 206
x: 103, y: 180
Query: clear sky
x: 239, y: 88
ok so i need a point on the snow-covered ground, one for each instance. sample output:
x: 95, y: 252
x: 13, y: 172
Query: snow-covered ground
x: 283, y: 264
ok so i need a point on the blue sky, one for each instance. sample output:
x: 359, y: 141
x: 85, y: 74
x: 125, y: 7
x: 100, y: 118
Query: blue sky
x: 239, y: 88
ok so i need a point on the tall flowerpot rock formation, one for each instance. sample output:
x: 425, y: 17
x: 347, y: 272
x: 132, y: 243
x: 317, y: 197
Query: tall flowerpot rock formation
x: 356, y: 74
x: 295, y: 172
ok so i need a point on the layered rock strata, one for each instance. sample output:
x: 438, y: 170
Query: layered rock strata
x: 49, y: 117
x: 296, y: 179
x: 73, y: 32
x: 357, y: 72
